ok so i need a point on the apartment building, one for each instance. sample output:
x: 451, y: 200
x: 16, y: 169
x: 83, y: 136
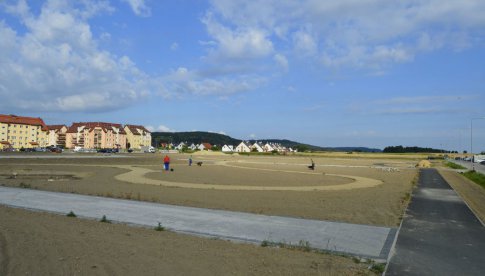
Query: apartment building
x: 57, y: 135
x: 22, y: 132
x: 137, y: 136
x: 94, y: 135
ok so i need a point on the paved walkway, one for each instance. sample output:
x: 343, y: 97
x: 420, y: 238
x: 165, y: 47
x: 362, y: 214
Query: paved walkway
x: 439, y: 234
x: 361, y: 240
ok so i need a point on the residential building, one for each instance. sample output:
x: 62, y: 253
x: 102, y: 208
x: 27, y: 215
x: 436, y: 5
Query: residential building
x: 227, y: 148
x: 193, y: 147
x: 204, y: 146
x: 137, y: 136
x: 257, y: 146
x: 180, y: 146
x: 243, y: 147
x: 57, y: 135
x: 95, y: 135
x: 268, y: 147
x: 22, y: 132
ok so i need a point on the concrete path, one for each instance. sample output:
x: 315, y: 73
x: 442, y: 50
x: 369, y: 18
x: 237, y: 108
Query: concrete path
x: 439, y: 234
x: 361, y: 240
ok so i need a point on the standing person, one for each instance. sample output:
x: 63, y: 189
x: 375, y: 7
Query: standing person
x: 190, y: 160
x: 166, y: 162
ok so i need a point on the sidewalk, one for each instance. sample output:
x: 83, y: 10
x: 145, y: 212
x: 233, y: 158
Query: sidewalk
x: 439, y: 234
x: 361, y: 240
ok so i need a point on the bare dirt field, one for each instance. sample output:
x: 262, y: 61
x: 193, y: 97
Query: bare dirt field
x: 33, y: 243
x: 358, y: 190
x: 365, y: 190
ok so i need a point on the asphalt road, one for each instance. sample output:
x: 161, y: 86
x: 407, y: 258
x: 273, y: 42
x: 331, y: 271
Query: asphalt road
x: 361, y: 240
x: 439, y: 234
x: 467, y: 164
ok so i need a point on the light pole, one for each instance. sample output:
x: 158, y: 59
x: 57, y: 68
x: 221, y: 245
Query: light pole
x: 471, y: 140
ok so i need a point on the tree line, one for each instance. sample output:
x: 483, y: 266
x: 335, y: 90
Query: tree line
x: 401, y: 149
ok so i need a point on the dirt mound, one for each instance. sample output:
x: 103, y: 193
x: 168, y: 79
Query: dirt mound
x: 424, y: 164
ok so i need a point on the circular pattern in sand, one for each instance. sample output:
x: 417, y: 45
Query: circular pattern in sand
x: 138, y: 175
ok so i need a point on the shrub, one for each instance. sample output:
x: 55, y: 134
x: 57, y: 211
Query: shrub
x: 159, y: 227
x: 71, y: 214
x: 104, y: 219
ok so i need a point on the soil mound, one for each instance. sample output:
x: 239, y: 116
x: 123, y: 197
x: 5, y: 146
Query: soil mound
x: 424, y: 164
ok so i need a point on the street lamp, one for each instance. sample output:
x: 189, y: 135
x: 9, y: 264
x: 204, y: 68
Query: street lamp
x: 471, y: 140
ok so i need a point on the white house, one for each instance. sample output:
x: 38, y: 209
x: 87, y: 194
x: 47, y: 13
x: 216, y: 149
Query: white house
x: 243, y: 147
x: 268, y: 147
x: 180, y: 146
x: 227, y: 148
x: 193, y: 147
x: 258, y: 146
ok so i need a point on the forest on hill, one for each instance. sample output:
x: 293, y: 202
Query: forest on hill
x: 401, y: 149
x: 197, y: 137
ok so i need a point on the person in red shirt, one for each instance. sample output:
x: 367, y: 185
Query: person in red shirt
x: 166, y: 162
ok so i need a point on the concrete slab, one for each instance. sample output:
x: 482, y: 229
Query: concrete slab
x: 439, y: 234
x: 360, y: 240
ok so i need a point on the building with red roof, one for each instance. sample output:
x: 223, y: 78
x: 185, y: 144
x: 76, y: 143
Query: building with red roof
x: 22, y: 132
x: 96, y: 135
x: 137, y: 136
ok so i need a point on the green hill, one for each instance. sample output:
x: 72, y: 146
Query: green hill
x: 198, y: 137
x: 195, y: 137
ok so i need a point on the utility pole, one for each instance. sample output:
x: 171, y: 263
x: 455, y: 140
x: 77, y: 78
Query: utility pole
x: 471, y: 141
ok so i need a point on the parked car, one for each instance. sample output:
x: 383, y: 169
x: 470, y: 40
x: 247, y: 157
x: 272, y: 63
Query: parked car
x: 483, y: 162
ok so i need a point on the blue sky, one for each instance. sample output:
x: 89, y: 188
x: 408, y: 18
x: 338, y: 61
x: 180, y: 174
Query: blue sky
x: 330, y: 73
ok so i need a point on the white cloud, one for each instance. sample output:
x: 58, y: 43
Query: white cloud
x: 174, y: 46
x: 281, y: 61
x: 188, y: 82
x: 305, y: 43
x: 56, y: 64
x: 239, y: 43
x: 416, y: 105
x: 163, y: 128
x: 139, y: 7
x: 368, y: 34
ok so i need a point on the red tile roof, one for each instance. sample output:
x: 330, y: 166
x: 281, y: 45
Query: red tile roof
x: 14, y: 119
x: 133, y: 129
x: 91, y: 125
x: 55, y: 127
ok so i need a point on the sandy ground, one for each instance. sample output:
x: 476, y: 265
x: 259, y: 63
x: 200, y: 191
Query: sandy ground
x: 218, y: 183
x: 34, y: 243
x: 363, y: 191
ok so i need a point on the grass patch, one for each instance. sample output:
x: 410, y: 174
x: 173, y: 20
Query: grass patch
x: 104, y: 219
x: 25, y: 186
x: 476, y: 177
x: 454, y: 166
x: 301, y: 246
x: 71, y: 214
x: 159, y: 227
x: 377, y: 268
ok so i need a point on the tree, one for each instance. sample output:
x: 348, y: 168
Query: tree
x: 302, y: 148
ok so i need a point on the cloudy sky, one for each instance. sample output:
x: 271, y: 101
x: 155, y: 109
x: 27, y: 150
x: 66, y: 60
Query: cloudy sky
x: 331, y: 73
